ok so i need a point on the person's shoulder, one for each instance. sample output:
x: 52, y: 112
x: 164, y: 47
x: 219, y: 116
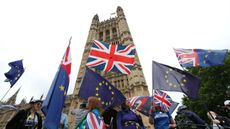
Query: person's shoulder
x: 21, y: 111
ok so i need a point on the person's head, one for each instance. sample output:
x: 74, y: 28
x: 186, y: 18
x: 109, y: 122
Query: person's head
x: 83, y: 105
x: 36, y: 105
x: 125, y: 106
x: 227, y: 104
x: 157, y: 108
x: 94, y: 102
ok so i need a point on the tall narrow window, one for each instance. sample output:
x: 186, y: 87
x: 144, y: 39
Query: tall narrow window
x: 107, y: 35
x: 114, y: 30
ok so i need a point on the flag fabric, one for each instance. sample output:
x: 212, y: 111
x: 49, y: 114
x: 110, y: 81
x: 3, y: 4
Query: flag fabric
x: 15, y: 72
x: 141, y: 104
x: 173, y: 107
x: 110, y: 57
x: 54, y: 101
x: 162, y: 100
x: 95, y: 85
x: 94, y: 121
x: 200, y: 57
x: 144, y: 103
x: 10, y: 107
x: 172, y: 79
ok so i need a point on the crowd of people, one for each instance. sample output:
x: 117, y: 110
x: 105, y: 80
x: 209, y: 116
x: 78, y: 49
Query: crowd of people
x: 91, y: 115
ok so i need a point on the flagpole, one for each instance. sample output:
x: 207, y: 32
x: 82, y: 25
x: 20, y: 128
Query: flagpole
x: 153, y: 90
x: 5, y: 94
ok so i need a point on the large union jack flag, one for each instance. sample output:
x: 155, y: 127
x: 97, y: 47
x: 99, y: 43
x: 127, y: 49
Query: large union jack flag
x: 187, y: 57
x: 162, y: 99
x: 111, y: 57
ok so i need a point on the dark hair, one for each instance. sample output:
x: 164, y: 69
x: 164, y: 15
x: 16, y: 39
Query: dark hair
x: 35, y: 101
x: 83, y: 104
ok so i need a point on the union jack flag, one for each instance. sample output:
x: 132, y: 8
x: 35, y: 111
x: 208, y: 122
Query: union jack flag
x: 111, y: 57
x: 187, y: 57
x: 162, y: 99
x: 141, y: 104
x: 93, y: 121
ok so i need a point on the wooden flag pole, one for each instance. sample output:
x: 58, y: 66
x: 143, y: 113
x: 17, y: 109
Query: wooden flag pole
x: 5, y: 94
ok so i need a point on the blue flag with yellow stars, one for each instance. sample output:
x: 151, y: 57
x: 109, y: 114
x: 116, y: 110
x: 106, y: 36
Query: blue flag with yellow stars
x: 15, y: 72
x: 55, y: 99
x: 200, y: 57
x: 172, y: 79
x: 95, y: 85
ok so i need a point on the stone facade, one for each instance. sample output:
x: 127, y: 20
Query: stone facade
x: 114, y: 30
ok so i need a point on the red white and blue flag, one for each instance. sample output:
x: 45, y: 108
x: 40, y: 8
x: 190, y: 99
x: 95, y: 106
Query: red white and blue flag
x: 144, y: 103
x: 187, y: 56
x: 200, y: 57
x: 162, y: 99
x: 94, y: 121
x: 141, y: 104
x: 111, y: 57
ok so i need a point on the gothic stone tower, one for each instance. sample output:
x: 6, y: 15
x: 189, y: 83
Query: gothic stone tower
x: 113, y: 30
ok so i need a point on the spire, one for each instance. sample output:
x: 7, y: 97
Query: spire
x: 23, y: 101
x: 12, y: 99
x: 95, y: 19
x: 41, y: 97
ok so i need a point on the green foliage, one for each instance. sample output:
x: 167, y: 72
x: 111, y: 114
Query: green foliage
x: 214, y: 89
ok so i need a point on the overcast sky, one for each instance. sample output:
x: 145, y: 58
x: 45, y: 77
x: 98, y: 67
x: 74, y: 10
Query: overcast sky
x: 38, y: 32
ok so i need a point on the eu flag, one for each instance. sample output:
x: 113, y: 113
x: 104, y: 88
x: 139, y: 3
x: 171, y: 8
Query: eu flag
x: 53, y: 104
x: 172, y: 79
x: 15, y: 72
x: 95, y: 85
x: 200, y: 57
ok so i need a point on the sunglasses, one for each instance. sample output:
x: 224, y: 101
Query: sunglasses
x: 39, y: 104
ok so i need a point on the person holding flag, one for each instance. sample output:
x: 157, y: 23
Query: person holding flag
x: 93, y: 119
x: 160, y: 118
x: 127, y: 119
x: 27, y: 118
x: 159, y: 113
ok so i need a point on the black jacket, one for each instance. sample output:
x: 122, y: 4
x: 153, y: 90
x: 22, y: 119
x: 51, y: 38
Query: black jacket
x: 18, y: 121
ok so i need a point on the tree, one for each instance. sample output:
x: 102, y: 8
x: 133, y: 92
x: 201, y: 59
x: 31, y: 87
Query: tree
x: 214, y: 89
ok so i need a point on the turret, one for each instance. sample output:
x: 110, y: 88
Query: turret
x: 120, y: 11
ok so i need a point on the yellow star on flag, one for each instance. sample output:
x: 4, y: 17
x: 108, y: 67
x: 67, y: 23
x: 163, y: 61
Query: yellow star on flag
x: 62, y: 88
